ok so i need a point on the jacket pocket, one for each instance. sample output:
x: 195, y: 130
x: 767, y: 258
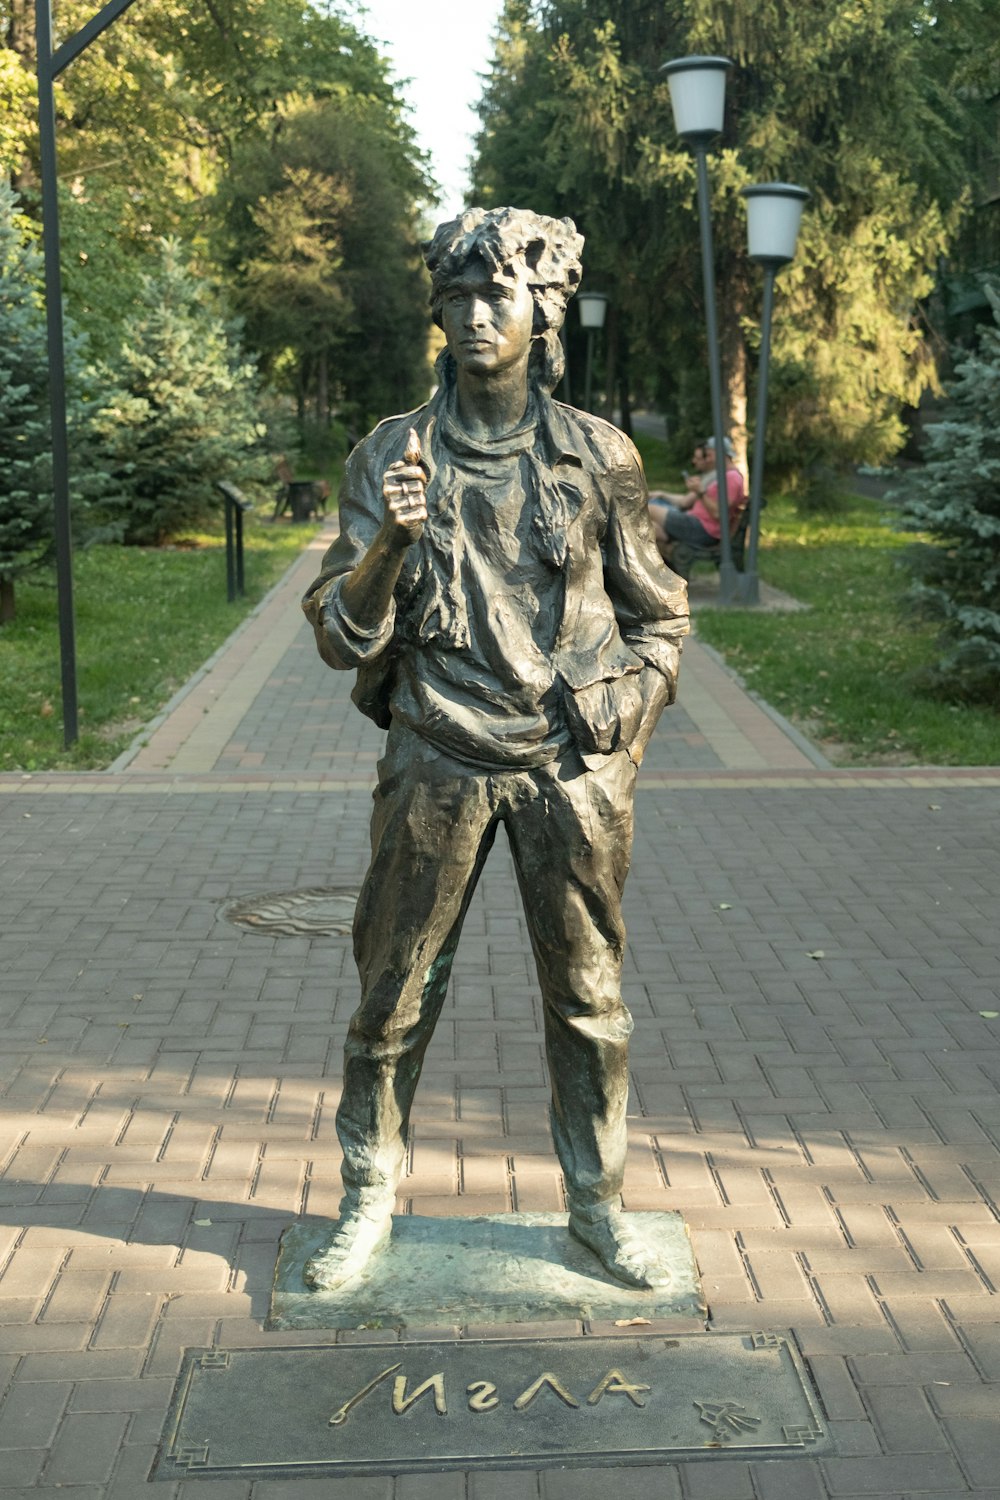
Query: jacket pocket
x: 606, y: 715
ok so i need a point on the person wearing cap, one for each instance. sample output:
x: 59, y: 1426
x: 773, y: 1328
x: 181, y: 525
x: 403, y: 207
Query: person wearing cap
x: 694, y: 516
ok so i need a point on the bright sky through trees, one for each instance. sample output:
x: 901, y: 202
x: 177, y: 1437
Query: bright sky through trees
x: 443, y: 47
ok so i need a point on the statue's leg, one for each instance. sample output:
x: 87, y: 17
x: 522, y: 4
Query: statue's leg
x: 571, y: 834
x: 431, y: 831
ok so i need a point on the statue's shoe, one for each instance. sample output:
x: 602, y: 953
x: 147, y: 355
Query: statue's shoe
x: 355, y: 1239
x: 621, y: 1250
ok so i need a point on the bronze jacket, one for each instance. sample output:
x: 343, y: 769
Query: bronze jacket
x: 623, y: 609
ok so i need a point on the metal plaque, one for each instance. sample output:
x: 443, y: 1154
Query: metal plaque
x: 393, y: 1408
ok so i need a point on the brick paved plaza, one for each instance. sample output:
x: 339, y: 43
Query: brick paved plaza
x: 814, y: 1085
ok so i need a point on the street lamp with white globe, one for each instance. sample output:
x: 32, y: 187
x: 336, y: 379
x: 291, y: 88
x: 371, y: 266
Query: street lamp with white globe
x: 774, y: 213
x: 593, y: 307
x: 698, y: 99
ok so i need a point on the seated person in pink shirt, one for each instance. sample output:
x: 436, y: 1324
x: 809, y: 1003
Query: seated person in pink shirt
x: 694, y: 516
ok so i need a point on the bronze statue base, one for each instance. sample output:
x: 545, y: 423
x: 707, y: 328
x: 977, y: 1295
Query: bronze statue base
x: 493, y: 1269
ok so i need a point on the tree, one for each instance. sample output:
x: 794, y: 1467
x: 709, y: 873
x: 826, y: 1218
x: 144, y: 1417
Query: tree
x: 25, y: 513
x: 964, y: 40
x: 323, y: 231
x: 292, y: 296
x: 26, y: 497
x: 967, y: 33
x: 834, y: 97
x: 185, y: 411
x: 152, y: 115
x: 16, y: 103
x: 159, y: 101
x: 955, y: 500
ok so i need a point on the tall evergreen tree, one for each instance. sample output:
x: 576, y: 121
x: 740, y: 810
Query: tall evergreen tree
x: 185, y: 411
x: 323, y: 226
x: 25, y: 474
x: 26, y: 499
x: 954, y: 499
x: 831, y: 96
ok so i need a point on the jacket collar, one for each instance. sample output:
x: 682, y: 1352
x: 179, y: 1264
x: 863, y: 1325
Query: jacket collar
x: 563, y: 440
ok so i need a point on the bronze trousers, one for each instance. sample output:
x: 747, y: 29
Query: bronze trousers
x: 434, y: 822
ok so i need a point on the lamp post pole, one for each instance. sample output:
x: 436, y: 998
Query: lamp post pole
x: 593, y: 307
x: 62, y: 524
x: 588, y: 384
x: 698, y: 97
x: 750, y: 583
x: 727, y: 568
x: 774, y: 211
x: 50, y: 64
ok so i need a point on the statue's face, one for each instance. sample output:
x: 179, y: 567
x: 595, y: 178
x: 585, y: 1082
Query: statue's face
x: 488, y: 316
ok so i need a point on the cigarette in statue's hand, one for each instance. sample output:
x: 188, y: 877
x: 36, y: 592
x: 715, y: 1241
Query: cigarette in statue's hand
x: 411, y: 453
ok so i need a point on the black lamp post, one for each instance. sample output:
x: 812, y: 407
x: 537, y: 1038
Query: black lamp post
x: 51, y: 62
x: 774, y: 212
x: 593, y: 308
x: 698, y: 97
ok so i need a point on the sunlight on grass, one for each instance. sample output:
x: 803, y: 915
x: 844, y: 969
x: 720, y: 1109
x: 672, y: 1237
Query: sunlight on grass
x: 848, y: 672
x: 146, y: 618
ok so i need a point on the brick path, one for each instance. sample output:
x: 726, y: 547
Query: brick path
x: 814, y: 1085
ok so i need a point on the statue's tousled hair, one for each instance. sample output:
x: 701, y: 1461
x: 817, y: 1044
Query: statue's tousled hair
x: 550, y: 248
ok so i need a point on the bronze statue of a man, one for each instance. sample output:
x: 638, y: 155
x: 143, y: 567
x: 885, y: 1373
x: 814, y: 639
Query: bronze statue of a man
x: 498, y: 589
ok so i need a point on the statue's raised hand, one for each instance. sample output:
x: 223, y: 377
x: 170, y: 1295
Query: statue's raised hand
x: 404, y: 489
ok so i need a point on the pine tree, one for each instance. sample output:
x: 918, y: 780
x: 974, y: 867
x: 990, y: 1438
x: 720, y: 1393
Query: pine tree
x: 955, y: 499
x: 577, y: 120
x: 185, y: 414
x: 325, y: 235
x: 26, y: 500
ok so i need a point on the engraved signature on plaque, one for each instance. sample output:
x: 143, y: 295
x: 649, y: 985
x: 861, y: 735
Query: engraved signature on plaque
x: 484, y: 1395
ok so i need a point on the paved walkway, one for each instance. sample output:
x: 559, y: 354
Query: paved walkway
x: 270, y: 705
x: 812, y: 952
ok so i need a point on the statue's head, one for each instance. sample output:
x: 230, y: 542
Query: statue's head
x: 505, y: 240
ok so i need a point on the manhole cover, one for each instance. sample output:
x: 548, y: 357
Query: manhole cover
x: 322, y: 910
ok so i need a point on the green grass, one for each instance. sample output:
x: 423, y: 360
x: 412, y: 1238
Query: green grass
x: 848, y: 671
x: 145, y: 620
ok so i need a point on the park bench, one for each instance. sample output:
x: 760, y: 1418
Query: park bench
x: 686, y: 555
x: 304, y: 497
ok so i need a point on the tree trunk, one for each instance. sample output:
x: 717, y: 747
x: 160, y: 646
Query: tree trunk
x: 21, y: 31
x: 733, y: 304
x: 7, y: 610
x: 301, y: 386
x: 21, y: 39
x: 323, y: 389
x: 610, y: 361
x: 565, y: 387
